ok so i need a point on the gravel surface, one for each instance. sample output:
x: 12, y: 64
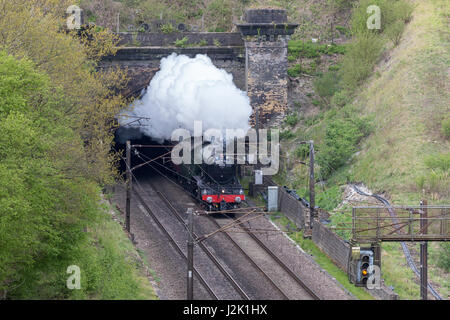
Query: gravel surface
x: 323, y: 284
x: 170, y: 267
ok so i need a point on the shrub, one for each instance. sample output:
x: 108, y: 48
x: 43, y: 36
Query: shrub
x: 334, y: 67
x: 302, y: 151
x: 308, y: 49
x: 286, y: 135
x: 181, y: 43
x: 295, y: 71
x: 340, y: 98
x: 342, y: 136
x: 291, y: 119
x: 444, y: 256
x: 446, y: 128
x: 203, y: 43
x: 298, y: 69
x: 395, y: 32
x: 327, y: 85
x: 168, y: 28
x: 344, y: 31
x: 391, y: 11
x: 314, y: 119
x: 359, y: 60
x: 291, y: 58
x: 403, y: 10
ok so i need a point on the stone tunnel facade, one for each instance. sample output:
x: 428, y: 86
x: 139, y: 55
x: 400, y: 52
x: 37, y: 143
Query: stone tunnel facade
x: 256, y: 56
x: 143, y: 62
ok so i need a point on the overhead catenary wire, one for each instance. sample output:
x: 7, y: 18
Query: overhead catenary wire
x: 238, y: 222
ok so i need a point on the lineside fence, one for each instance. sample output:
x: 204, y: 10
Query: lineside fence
x: 330, y: 243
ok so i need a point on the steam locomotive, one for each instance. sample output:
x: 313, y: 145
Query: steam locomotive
x: 215, y: 185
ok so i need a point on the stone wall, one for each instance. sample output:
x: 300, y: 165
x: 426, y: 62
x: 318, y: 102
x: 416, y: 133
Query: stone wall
x: 225, y: 39
x: 143, y: 62
x: 266, y: 75
x: 256, y: 56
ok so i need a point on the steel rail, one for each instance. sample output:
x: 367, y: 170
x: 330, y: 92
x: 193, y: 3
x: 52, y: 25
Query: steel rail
x: 174, y: 244
x: 282, y: 264
x: 249, y: 258
x: 208, y: 252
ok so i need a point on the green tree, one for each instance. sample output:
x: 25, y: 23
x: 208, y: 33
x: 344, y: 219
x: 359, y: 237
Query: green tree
x: 32, y: 29
x: 44, y: 200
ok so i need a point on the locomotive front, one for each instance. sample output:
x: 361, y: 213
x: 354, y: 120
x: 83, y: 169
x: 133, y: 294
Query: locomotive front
x: 219, y: 187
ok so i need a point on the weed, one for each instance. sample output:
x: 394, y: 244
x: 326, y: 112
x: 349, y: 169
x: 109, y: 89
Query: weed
x: 286, y: 135
x: 168, y: 28
x: 181, y: 43
x: 291, y: 120
x: 446, y: 128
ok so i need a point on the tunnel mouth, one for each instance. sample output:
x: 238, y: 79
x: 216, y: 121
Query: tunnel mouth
x: 149, y: 156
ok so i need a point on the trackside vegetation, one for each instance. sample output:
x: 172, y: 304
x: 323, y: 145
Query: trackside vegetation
x: 55, y: 133
x: 381, y: 118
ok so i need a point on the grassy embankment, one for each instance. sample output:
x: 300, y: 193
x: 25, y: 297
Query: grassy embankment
x: 309, y: 246
x: 404, y: 154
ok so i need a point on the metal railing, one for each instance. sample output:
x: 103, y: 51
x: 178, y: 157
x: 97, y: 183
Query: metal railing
x: 410, y: 223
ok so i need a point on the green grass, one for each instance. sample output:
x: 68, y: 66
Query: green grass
x: 110, y: 268
x: 408, y: 102
x: 308, y: 49
x: 320, y: 257
x: 118, y: 273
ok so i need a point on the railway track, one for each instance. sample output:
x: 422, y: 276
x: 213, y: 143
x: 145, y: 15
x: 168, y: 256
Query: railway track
x: 277, y: 260
x: 264, y: 274
x: 255, y: 265
x: 205, y: 249
x: 208, y: 252
x: 174, y: 244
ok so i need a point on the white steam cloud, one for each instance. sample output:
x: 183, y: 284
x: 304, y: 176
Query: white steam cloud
x: 187, y: 90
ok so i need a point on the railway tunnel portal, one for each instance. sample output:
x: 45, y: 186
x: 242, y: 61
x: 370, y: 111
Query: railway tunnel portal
x: 256, y: 56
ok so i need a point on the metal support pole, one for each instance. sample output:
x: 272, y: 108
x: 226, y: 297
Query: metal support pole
x: 423, y: 253
x: 118, y: 22
x: 190, y: 277
x: 312, y: 192
x: 129, y: 180
x: 257, y: 137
